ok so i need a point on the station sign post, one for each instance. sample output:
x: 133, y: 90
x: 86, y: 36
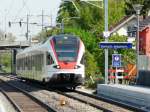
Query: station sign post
x: 116, y: 62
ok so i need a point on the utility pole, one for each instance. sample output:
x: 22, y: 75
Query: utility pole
x: 42, y: 22
x: 62, y: 25
x: 51, y: 19
x: 5, y: 24
x: 42, y: 19
x: 137, y: 8
x: 27, y: 33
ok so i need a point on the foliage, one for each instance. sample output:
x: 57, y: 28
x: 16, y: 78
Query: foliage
x: 90, y: 65
x: 6, y: 62
x: 92, y: 72
x: 129, y: 6
x: 128, y: 55
x: 117, y: 38
x: 66, y: 9
x: 116, y: 11
x: 89, y: 15
x: 91, y: 18
x: 94, y: 80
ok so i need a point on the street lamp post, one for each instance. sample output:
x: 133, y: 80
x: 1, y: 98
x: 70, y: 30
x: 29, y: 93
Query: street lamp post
x: 137, y: 8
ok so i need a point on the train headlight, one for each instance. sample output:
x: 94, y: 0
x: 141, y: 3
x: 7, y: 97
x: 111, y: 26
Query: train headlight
x: 57, y: 66
x: 76, y: 67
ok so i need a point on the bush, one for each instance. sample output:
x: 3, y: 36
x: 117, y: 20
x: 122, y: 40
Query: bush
x: 92, y: 81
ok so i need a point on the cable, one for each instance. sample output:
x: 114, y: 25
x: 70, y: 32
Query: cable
x: 25, y: 2
x: 19, y: 11
x: 10, y: 7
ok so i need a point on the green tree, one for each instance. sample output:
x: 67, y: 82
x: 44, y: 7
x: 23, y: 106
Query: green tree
x: 88, y: 14
x: 66, y: 9
x: 5, y: 60
x: 128, y: 54
x: 129, y: 6
x: 90, y: 64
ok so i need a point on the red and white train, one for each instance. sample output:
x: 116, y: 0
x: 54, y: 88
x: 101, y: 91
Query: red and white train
x: 59, y: 61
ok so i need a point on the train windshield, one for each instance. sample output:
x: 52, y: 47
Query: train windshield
x: 66, y: 47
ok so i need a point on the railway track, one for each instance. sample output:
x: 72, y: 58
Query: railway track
x: 51, y: 98
x: 21, y: 100
x: 101, y: 103
x: 97, y: 103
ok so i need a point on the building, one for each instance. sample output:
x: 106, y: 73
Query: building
x: 123, y: 26
x: 144, y: 37
x: 127, y: 26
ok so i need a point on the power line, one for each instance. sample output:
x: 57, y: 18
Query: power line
x: 32, y: 23
x: 25, y: 2
x: 21, y: 9
x: 10, y: 7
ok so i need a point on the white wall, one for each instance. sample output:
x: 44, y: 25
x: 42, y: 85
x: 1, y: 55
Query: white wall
x: 122, y: 31
x: 149, y: 13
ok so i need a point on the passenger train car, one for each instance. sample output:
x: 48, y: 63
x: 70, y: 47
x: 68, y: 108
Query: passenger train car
x: 59, y: 61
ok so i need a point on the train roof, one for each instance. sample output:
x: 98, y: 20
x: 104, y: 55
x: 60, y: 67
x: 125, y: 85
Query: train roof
x: 66, y: 35
x: 42, y: 44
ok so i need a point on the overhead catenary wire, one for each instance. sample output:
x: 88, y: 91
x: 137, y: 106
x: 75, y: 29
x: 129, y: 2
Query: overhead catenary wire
x: 21, y: 9
x: 26, y: 6
x: 10, y: 7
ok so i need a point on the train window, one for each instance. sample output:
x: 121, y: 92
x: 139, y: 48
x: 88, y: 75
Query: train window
x: 67, y: 56
x: 29, y: 63
x: 18, y: 64
x: 39, y: 62
x: 36, y: 62
x: 42, y: 60
x: 66, y: 48
x: 23, y: 64
x: 83, y: 60
x: 49, y: 59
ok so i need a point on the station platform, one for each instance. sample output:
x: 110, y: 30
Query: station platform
x: 134, y: 95
x: 85, y: 90
x: 144, y: 78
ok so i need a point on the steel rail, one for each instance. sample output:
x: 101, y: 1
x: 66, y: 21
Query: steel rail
x: 83, y: 101
x: 15, y: 106
x: 48, y: 108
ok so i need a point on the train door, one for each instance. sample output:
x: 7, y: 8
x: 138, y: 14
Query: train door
x: 49, y: 62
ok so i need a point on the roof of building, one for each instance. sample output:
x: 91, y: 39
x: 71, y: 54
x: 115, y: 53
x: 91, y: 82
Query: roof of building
x: 121, y: 23
x: 144, y: 24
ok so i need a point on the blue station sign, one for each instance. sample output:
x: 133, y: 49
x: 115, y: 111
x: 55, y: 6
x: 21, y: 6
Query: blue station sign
x: 116, y: 60
x: 115, y: 45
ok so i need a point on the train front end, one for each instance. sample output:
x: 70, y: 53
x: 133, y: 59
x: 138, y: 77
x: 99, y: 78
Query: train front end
x: 68, y: 68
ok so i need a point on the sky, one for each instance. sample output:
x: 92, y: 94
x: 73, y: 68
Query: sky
x: 16, y: 10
